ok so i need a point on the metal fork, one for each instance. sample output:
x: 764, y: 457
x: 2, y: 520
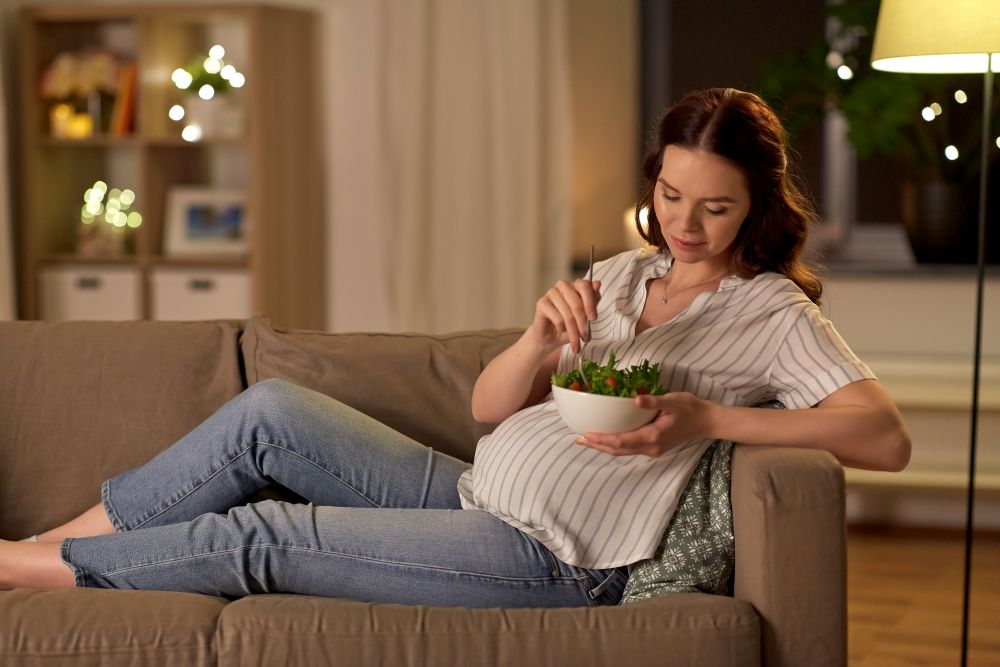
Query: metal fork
x: 583, y: 341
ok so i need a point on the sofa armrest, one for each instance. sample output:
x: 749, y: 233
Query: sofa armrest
x: 791, y: 554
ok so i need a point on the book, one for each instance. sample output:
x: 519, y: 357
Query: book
x: 123, y: 115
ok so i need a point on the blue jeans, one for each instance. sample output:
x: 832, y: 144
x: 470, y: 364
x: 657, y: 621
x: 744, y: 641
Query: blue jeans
x: 383, y: 521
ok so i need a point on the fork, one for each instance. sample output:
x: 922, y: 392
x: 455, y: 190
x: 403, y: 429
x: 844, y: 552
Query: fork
x: 583, y: 341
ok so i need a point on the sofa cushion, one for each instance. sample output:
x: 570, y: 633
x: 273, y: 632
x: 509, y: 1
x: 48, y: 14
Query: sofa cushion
x: 83, y: 401
x: 92, y: 626
x: 382, y: 375
x: 678, y: 629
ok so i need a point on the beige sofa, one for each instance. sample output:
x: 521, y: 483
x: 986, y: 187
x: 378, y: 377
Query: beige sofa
x: 80, y: 402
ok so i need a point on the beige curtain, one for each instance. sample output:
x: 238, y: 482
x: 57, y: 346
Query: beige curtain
x: 474, y: 120
x: 7, y: 303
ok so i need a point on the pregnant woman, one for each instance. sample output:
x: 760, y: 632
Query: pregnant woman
x: 543, y: 517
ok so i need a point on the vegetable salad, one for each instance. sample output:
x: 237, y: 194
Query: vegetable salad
x: 643, y: 378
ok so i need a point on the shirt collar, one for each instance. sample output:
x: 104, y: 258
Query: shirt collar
x: 663, y: 261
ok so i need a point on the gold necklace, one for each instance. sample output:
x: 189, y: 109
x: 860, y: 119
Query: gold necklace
x: 665, y: 298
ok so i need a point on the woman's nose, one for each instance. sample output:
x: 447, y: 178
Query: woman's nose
x: 691, y: 219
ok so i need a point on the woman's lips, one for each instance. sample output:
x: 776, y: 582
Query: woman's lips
x: 684, y: 244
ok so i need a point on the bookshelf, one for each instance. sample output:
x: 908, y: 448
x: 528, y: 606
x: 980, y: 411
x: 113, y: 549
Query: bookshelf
x: 259, y: 140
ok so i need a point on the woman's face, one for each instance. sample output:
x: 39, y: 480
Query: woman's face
x: 700, y: 201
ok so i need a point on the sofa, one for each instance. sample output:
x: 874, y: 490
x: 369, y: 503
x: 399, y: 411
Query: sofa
x: 83, y: 401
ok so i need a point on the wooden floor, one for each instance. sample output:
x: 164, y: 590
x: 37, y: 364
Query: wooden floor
x: 904, y: 599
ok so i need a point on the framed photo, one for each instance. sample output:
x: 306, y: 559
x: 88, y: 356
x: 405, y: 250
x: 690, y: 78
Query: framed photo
x: 205, y: 221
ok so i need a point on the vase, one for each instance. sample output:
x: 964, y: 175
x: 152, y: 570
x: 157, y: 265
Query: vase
x: 941, y: 222
x: 219, y: 117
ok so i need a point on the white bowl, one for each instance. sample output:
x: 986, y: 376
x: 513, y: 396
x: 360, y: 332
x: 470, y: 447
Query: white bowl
x: 594, y: 413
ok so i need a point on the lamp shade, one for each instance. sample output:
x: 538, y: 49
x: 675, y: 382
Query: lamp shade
x: 937, y: 36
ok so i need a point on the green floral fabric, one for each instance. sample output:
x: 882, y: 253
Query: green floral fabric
x: 698, y: 551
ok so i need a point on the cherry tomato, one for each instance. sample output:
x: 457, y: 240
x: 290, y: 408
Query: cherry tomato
x: 642, y: 390
x: 611, y: 382
x: 576, y: 386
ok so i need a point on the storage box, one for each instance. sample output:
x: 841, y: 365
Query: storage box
x: 75, y: 292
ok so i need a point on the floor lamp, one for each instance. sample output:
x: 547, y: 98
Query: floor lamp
x: 935, y: 37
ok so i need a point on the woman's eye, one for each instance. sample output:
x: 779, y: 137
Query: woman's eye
x: 669, y: 198
x: 719, y: 212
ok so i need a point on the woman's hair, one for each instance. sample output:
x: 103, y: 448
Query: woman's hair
x: 741, y: 128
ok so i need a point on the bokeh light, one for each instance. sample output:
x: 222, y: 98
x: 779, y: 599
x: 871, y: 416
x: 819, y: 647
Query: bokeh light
x: 191, y: 133
x: 181, y: 78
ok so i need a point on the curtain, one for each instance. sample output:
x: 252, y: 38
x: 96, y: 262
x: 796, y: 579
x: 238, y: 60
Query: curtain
x: 474, y: 164
x: 7, y: 304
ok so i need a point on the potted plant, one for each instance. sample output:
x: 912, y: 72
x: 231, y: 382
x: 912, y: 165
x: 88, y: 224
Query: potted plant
x: 927, y: 124
x: 209, y: 83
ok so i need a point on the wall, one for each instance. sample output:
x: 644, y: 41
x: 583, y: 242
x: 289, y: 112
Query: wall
x: 605, y: 80
x: 725, y: 43
x: 916, y: 332
x: 8, y: 300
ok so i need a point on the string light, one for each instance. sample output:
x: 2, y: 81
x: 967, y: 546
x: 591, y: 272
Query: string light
x: 951, y: 153
x: 191, y: 133
x: 961, y: 97
x: 181, y: 78
x: 212, y: 65
x: 113, y: 211
x: 845, y: 72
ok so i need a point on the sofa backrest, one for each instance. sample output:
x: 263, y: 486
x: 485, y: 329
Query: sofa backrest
x: 83, y: 401
x: 418, y: 384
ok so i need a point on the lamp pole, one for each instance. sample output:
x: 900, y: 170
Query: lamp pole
x: 977, y: 354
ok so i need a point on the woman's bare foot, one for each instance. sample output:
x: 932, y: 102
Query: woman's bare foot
x: 33, y: 565
x: 89, y: 524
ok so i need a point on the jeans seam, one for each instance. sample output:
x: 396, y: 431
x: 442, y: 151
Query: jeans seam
x: 109, y: 509
x: 578, y: 580
x: 320, y: 467
x: 197, y: 486
x: 427, y: 478
x: 169, y: 505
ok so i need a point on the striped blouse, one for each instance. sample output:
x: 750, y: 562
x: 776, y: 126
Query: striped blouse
x: 750, y: 341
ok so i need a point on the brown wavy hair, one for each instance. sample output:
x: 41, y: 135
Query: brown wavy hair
x: 741, y: 128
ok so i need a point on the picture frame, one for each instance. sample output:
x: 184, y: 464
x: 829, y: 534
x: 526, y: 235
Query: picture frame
x: 203, y: 221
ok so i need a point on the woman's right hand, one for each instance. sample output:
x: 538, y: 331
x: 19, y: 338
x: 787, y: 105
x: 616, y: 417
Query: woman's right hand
x: 520, y: 375
x: 561, y: 313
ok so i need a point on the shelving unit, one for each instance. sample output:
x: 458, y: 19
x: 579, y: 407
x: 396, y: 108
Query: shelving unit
x: 273, y: 159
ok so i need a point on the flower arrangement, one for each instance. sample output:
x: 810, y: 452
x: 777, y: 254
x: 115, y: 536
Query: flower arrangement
x: 81, y: 74
x: 80, y: 85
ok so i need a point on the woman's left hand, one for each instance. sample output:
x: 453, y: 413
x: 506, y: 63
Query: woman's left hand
x: 681, y: 416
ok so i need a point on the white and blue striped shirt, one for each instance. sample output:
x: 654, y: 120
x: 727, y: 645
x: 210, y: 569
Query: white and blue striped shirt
x: 750, y: 341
